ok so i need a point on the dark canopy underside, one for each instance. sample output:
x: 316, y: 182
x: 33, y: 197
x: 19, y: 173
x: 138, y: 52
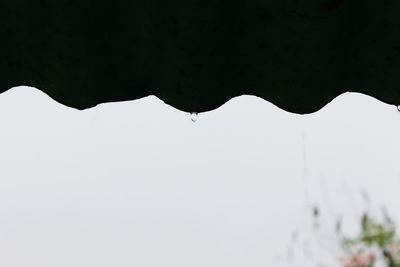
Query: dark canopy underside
x: 197, y: 54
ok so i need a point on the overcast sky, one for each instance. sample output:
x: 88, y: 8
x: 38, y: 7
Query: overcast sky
x: 139, y: 184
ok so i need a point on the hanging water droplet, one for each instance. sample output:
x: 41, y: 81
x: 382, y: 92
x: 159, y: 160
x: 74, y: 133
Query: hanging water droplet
x: 398, y: 107
x: 193, y: 116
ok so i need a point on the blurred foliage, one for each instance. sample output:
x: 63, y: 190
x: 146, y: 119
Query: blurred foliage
x: 376, y: 243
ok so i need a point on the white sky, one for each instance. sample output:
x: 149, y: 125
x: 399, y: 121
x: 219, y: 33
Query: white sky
x: 139, y: 184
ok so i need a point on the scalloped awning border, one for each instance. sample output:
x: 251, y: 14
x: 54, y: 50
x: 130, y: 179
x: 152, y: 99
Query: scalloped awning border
x: 196, y: 55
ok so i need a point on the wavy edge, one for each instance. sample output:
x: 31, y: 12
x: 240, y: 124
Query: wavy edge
x: 278, y: 107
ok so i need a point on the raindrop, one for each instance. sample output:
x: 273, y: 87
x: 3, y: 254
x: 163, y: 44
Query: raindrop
x: 193, y: 116
x: 365, y: 195
x: 338, y: 226
x: 295, y: 236
x: 398, y: 107
x: 316, y: 212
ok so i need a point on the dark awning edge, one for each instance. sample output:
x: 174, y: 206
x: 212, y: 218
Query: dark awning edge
x: 196, y: 55
x: 206, y: 108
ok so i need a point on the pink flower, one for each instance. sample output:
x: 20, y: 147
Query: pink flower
x: 362, y: 259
